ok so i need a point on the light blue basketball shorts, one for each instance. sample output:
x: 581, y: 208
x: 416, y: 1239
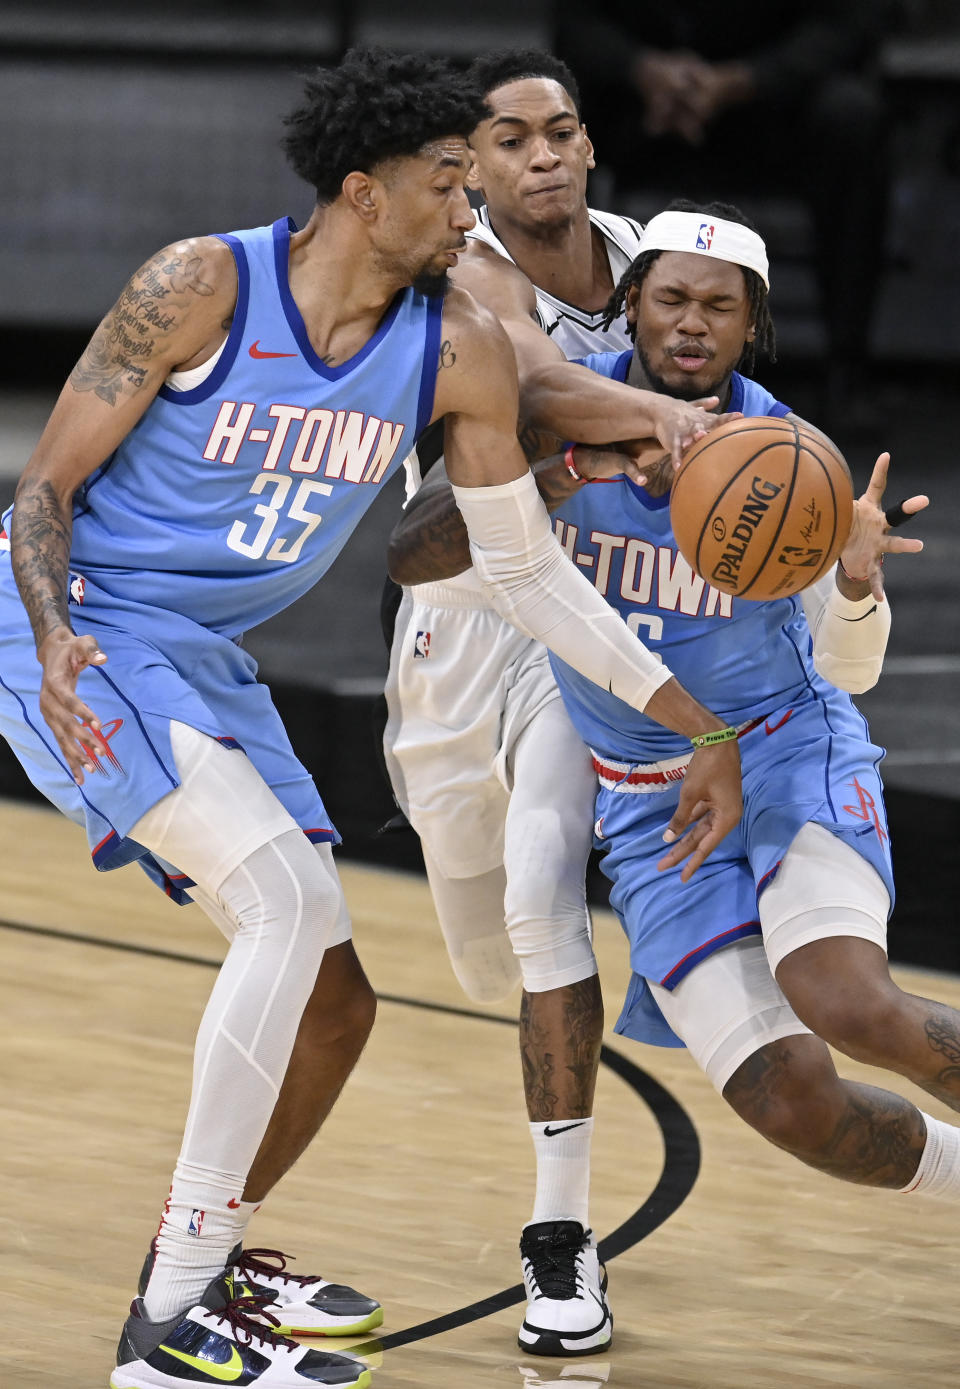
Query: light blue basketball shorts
x: 160, y: 667
x: 809, y: 763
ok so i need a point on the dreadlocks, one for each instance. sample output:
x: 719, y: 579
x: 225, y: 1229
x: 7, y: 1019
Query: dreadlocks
x: 765, y: 340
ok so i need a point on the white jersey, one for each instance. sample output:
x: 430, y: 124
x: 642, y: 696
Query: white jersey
x: 576, y: 332
x: 464, y: 685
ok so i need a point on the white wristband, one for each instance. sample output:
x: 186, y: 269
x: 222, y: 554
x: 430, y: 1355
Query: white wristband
x: 534, y: 586
x: 849, y: 635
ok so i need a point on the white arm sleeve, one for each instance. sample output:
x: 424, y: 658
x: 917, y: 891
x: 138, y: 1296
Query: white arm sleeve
x: 533, y: 585
x: 849, y: 636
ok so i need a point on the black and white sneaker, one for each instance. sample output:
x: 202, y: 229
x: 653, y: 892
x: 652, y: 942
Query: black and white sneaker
x: 302, y: 1304
x: 567, y: 1312
x: 224, y: 1339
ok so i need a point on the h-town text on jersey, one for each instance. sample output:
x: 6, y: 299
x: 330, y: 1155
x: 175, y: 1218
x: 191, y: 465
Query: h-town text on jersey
x: 652, y: 576
x: 345, y: 444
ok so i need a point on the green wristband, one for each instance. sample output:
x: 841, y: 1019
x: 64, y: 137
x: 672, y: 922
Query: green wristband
x: 719, y: 735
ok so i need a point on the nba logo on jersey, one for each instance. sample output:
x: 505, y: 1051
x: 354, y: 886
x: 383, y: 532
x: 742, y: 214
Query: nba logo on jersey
x: 196, y: 1223
x: 704, y: 236
x: 77, y: 586
x: 421, y: 647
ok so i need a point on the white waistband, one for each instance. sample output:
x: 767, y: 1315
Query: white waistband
x: 441, y: 595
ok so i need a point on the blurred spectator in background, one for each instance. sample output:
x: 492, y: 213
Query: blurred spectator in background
x: 754, y: 96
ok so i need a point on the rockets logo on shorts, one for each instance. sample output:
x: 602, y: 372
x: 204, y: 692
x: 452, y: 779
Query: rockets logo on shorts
x: 866, y: 808
x: 705, y: 236
x: 421, y: 647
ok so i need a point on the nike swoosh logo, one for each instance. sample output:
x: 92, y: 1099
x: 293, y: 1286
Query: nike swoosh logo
x: 770, y: 730
x: 552, y: 1133
x: 228, y: 1373
x: 259, y: 356
x: 233, y: 1203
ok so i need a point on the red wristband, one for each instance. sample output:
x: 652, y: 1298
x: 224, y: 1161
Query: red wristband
x: 571, y: 465
x: 853, y: 577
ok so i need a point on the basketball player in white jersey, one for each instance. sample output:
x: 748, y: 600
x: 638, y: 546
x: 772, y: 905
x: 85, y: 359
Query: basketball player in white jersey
x: 483, y: 759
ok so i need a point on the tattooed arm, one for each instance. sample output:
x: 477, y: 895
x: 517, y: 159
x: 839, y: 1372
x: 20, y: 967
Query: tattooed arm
x: 171, y: 314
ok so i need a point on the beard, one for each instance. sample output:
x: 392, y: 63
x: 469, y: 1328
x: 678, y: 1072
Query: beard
x: 431, y: 282
x: 695, y: 390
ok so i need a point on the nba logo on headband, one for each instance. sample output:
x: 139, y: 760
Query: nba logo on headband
x: 721, y: 239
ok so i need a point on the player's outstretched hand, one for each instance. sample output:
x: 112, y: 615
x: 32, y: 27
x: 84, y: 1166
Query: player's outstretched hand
x: 680, y: 423
x: 711, y: 803
x: 870, y: 535
x: 63, y: 656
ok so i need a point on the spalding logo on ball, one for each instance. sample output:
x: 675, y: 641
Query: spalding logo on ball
x: 761, y: 508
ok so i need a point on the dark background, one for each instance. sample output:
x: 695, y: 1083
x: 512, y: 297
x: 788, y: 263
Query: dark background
x: 123, y: 130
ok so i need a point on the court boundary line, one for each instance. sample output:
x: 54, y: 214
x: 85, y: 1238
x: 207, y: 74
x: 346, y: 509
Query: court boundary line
x: 681, y: 1145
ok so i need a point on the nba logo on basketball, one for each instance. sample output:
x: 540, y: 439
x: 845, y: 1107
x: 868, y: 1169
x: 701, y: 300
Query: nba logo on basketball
x: 705, y: 237
x: 421, y: 647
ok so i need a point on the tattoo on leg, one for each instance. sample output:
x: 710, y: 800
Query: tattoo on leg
x: 878, y: 1141
x: 537, y: 1063
x: 942, y: 1028
x: 561, y: 1032
x: 855, y: 1132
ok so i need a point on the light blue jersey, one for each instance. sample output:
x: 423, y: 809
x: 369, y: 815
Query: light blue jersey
x: 620, y: 537
x: 227, y: 502
x: 223, y: 505
x: 805, y: 750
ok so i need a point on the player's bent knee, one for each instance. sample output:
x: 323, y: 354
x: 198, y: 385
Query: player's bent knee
x: 486, y: 969
x: 343, y: 999
x: 281, y: 893
x: 863, y: 1025
x: 787, y: 1091
x: 552, y: 952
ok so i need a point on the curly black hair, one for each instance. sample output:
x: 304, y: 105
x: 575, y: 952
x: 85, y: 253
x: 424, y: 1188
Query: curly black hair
x: 765, y: 340
x: 373, y: 106
x: 502, y: 65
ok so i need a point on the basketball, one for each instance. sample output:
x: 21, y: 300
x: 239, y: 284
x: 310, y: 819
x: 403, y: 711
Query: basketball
x: 762, y: 507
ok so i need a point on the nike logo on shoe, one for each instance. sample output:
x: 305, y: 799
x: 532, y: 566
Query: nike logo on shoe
x: 228, y: 1372
x: 552, y: 1132
x: 256, y: 353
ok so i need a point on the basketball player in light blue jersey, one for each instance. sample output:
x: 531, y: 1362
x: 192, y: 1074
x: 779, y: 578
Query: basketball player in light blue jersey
x: 778, y: 947
x: 231, y: 418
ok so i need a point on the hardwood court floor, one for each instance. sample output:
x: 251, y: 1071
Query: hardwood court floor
x: 766, y: 1274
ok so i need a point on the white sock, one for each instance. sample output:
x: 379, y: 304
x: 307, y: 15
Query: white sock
x: 198, y: 1229
x: 939, y: 1170
x: 563, y: 1170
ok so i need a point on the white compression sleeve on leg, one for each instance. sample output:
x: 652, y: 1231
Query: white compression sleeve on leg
x: 849, y: 635
x: 533, y: 585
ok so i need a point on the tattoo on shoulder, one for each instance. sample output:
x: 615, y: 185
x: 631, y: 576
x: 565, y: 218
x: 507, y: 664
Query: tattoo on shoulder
x: 150, y: 308
x: 447, y: 355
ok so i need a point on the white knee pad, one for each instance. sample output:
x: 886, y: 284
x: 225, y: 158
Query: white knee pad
x: 470, y: 912
x: 545, y: 903
x: 552, y: 942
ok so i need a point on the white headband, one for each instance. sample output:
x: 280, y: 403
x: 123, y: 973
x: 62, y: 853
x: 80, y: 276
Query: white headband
x: 705, y: 235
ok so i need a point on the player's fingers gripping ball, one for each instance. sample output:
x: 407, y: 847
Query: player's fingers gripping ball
x: 762, y: 507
